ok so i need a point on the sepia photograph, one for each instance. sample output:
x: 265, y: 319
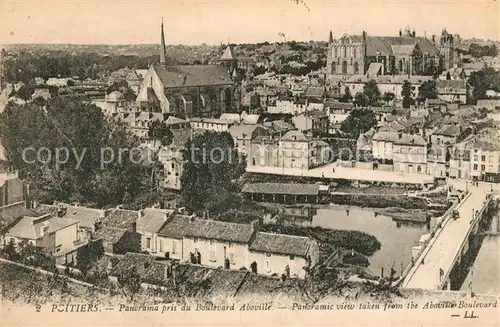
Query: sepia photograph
x: 249, y: 162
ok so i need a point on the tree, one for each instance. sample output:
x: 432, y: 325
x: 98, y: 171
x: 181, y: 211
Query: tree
x: 90, y: 168
x: 427, y: 90
x: 360, y: 120
x: 130, y: 281
x: 360, y: 99
x: 483, y: 80
x: 211, y: 172
x: 123, y: 88
x: 160, y: 131
x: 371, y: 91
x: 388, y: 97
x: 406, y: 94
x: 347, y: 95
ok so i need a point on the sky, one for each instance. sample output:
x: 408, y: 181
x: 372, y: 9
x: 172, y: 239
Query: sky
x: 239, y: 21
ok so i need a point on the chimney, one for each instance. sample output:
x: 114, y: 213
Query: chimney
x: 434, y: 39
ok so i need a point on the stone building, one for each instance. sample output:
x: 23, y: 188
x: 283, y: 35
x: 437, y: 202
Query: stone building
x: 406, y: 54
x: 188, y: 90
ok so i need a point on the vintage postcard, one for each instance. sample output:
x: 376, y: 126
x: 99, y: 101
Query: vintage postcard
x: 249, y: 162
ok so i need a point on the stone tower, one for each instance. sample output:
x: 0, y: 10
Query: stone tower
x: 163, y: 50
x: 447, y: 49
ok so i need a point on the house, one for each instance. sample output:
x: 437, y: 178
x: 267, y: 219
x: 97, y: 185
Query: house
x: 210, y: 124
x: 88, y: 218
x: 437, y: 161
x: 449, y: 134
x: 217, y: 244
x: 170, y: 237
x: 387, y: 84
x: 149, y: 223
x: 11, y: 188
x: 53, y: 234
x: 118, y: 232
x: 338, y: 111
x: 407, y: 152
x: 316, y: 122
x: 485, y: 155
x: 277, y: 254
x: 244, y: 134
x: 452, y: 91
x: 41, y: 93
x: 410, y: 154
x: 173, y: 166
x: 10, y: 214
x: 288, y: 106
x: 296, y: 150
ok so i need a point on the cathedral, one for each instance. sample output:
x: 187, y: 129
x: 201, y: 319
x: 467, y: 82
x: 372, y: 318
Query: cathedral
x: 406, y: 54
x: 187, y: 90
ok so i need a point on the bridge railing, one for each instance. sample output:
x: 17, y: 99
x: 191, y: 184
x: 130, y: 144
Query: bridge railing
x: 476, y: 218
x: 435, y: 231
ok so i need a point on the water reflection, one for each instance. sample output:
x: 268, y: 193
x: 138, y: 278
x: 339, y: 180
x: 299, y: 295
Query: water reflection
x: 396, y: 237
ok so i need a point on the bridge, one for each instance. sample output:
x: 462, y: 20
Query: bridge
x: 432, y: 266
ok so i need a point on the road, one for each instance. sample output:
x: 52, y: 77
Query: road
x: 444, y: 247
x: 334, y: 172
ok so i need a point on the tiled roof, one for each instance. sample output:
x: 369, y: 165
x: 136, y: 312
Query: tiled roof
x: 230, y: 117
x: 12, y: 212
x: 196, y: 75
x: 452, y: 83
x: 220, y: 230
x: 30, y: 228
x: 228, y: 54
x: 399, y: 138
x: 242, y: 131
x: 296, y: 136
x: 250, y: 119
x: 448, y: 130
x: 153, y: 219
x: 281, y: 188
x: 403, y: 49
x: 119, y: 218
x: 145, y: 265
x: 176, y: 227
x: 374, y: 69
x: 281, y: 244
x: 110, y: 235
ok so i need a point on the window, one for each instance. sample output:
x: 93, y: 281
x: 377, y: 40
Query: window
x: 483, y: 167
x: 475, y: 167
x: 475, y: 157
x: 173, y: 165
x: 419, y: 169
x: 483, y: 158
x: 195, y: 240
x: 230, y: 245
x: 268, y: 254
x: 268, y: 266
x: 230, y: 256
x: 174, y: 247
x: 160, y: 246
x: 211, y: 242
x: 212, y: 256
x: 292, y: 257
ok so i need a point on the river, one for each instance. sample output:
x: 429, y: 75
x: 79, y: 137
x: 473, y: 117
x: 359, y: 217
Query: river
x: 484, y: 276
x: 397, y: 239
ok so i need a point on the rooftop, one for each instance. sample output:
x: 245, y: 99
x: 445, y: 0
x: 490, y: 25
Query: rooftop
x: 280, y: 244
x: 281, y: 188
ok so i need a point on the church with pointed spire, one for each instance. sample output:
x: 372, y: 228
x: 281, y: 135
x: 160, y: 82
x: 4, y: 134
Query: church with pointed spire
x: 187, y: 90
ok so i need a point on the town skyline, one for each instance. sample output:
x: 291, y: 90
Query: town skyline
x: 215, y: 22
